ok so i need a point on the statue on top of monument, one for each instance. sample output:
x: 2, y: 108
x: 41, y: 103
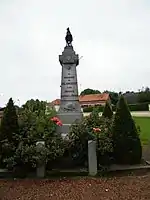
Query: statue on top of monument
x: 69, y: 38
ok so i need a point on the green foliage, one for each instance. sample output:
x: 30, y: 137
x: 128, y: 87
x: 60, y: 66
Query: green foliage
x: 9, y: 130
x: 132, y: 107
x: 139, y: 107
x: 82, y: 132
x: 9, y: 123
x: 35, y: 105
x: 35, y: 125
x: 114, y: 97
x: 89, y: 91
x: 107, y: 111
x: 91, y: 108
x: 144, y: 96
x: 127, y: 145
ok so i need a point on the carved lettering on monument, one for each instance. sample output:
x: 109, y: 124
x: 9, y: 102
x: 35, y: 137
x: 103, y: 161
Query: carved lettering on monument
x: 71, y: 83
x: 69, y: 91
x: 74, y: 95
x: 69, y: 77
x: 65, y: 96
x: 71, y: 95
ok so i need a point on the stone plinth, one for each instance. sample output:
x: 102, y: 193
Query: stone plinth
x: 70, y: 109
x: 92, y: 158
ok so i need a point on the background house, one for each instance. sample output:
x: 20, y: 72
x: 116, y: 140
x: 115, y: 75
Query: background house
x: 86, y: 100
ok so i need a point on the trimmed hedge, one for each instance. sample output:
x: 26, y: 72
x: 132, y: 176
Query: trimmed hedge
x: 139, y: 107
x: 90, y: 108
x: 132, y: 107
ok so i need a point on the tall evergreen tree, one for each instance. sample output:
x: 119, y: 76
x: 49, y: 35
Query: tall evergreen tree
x: 127, y: 144
x: 9, y: 124
x: 108, y: 113
x: 8, y: 132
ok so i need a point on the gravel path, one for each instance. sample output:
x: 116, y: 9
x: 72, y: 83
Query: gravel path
x: 120, y: 188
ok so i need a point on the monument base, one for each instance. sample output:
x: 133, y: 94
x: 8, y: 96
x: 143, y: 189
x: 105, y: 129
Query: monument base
x: 67, y: 120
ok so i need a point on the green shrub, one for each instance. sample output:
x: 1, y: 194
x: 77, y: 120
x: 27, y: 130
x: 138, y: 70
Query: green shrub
x: 139, y: 107
x: 108, y: 113
x: 132, y: 107
x: 35, y: 125
x: 127, y: 145
x: 136, y: 107
x: 91, y: 108
x: 82, y: 132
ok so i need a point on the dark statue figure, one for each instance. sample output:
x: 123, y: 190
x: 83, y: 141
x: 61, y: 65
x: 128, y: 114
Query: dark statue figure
x: 68, y: 38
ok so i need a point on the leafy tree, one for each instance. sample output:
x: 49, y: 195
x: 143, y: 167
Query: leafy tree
x: 9, y: 130
x: 127, y: 145
x: 144, y: 95
x: 107, y: 111
x: 34, y: 125
x: 114, y: 96
x: 89, y: 91
x: 131, y: 97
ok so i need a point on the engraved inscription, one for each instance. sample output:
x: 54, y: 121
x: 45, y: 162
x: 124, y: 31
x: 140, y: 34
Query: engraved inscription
x: 65, y: 95
x: 69, y: 91
x: 69, y: 77
x: 71, y: 83
x: 74, y: 95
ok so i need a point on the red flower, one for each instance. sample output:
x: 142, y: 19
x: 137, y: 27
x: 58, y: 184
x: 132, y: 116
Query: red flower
x: 96, y: 130
x: 59, y: 123
x: 55, y: 119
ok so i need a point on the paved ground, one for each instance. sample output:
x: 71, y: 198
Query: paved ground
x: 136, y: 114
x: 118, y: 188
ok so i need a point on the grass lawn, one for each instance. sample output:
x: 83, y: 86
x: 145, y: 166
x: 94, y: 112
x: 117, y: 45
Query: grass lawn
x: 144, y: 123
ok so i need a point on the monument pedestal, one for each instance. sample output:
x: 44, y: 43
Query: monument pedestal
x: 70, y: 109
x: 67, y: 119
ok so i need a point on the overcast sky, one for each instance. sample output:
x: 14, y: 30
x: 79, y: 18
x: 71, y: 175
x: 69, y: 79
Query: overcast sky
x: 113, y: 36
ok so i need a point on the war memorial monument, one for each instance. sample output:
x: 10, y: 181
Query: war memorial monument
x: 70, y: 110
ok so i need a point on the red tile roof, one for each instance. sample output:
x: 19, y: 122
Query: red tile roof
x: 55, y: 102
x: 94, y: 97
x: 87, y: 98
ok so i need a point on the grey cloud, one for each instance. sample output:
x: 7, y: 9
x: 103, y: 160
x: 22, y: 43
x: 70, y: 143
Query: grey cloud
x: 112, y: 36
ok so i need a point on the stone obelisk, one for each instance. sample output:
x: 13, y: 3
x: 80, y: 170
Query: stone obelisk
x: 70, y: 109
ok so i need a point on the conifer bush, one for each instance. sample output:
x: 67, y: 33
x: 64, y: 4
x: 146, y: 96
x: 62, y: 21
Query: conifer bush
x: 9, y: 130
x: 126, y: 141
x: 107, y: 113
